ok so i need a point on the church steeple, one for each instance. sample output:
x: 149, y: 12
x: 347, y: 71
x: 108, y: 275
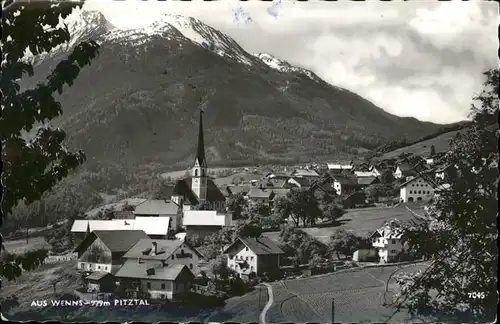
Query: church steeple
x: 200, y: 154
x: 199, y: 175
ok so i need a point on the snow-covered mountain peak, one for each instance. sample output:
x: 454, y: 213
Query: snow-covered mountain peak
x: 283, y: 66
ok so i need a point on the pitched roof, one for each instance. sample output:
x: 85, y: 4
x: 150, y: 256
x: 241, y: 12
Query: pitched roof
x: 157, y: 207
x: 390, y: 230
x: 165, y: 248
x: 259, y: 245
x: 259, y: 193
x: 124, y: 214
x: 116, y: 241
x: 339, y: 166
x: 404, y: 167
x: 238, y: 189
x: 97, y: 275
x: 205, y: 218
x: 345, y: 180
x: 281, y: 192
x: 134, y: 269
x: 304, y: 173
x: 213, y: 192
x: 303, y: 182
x: 200, y: 152
x: 152, y: 225
x: 367, y: 180
x: 183, y: 188
x: 422, y: 176
x: 80, y: 226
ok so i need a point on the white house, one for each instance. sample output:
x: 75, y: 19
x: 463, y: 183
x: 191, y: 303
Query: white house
x: 202, y: 223
x: 387, y: 240
x: 416, y: 189
x: 339, y: 167
x: 403, y: 170
x: 253, y: 255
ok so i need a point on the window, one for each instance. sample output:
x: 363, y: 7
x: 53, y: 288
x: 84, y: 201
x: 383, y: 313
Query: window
x: 98, y: 267
x: 246, y: 249
x: 251, y: 268
x: 182, y: 251
x: 246, y: 259
x: 231, y: 257
x: 411, y: 191
x: 196, y: 172
x: 148, y: 285
x: 173, y: 257
x: 419, y: 192
x: 106, y: 268
x: 251, y: 258
x: 162, y: 286
x: 190, y: 266
x: 82, y: 265
x: 393, y: 241
x: 202, y: 172
x: 393, y: 251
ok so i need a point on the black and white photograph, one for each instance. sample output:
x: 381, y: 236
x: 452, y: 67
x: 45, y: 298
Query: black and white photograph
x: 249, y: 161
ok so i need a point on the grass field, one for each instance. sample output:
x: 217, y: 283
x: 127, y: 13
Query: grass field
x: 20, y: 246
x: 360, y: 221
x: 441, y: 143
x: 357, y: 297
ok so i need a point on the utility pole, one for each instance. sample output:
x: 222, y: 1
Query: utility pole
x: 333, y: 310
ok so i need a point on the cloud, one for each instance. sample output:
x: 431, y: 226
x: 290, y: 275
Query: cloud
x: 423, y: 60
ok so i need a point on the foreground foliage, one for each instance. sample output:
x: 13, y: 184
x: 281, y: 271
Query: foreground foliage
x: 34, y: 166
x: 460, y: 236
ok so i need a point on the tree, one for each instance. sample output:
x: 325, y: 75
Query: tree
x: 432, y: 151
x: 300, y: 205
x: 459, y: 237
x: 300, y: 247
x: 343, y: 242
x: 236, y: 204
x: 258, y: 210
x: 33, y: 167
x: 333, y: 211
x: 218, y: 267
x: 387, y: 177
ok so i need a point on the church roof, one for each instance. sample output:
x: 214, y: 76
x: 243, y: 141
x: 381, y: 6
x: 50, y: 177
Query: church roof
x: 183, y: 188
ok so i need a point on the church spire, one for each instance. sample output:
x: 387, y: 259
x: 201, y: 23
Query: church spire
x: 200, y: 154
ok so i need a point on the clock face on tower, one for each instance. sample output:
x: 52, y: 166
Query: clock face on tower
x: 196, y: 181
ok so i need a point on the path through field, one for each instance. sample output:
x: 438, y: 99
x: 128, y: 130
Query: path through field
x: 355, y: 296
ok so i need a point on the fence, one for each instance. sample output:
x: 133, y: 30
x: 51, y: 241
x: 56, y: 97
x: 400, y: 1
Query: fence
x: 61, y: 258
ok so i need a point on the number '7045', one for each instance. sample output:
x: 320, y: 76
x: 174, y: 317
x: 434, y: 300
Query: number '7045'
x: 477, y: 295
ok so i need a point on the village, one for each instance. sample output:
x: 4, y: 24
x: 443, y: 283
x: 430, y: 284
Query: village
x: 162, y: 249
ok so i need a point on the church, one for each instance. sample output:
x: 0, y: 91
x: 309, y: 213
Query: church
x: 198, y: 192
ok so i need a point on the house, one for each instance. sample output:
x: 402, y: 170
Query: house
x: 199, y: 190
x: 160, y: 208
x: 419, y: 188
x: 170, y: 252
x: 261, y: 195
x: 104, y: 250
x: 258, y: 255
x: 155, y: 227
x: 361, y: 174
x: 344, y: 185
x: 202, y: 223
x: 367, y: 181
x: 387, y: 241
x: 234, y: 190
x: 338, y: 168
x: 403, y: 170
x: 151, y: 280
x: 377, y: 171
x: 101, y: 281
x: 354, y: 199
x: 304, y: 173
x: 445, y: 173
x: 82, y: 227
x: 301, y: 182
x: 429, y: 161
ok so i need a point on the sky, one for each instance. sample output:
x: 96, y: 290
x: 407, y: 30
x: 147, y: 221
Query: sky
x: 422, y: 59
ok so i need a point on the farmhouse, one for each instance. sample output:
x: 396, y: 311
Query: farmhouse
x: 104, y: 250
x: 155, y: 227
x: 304, y: 173
x: 258, y: 255
x: 170, y: 252
x: 202, y: 223
x: 100, y: 281
x: 417, y: 189
x: 150, y: 279
x: 160, y: 208
x: 344, y: 184
x: 261, y: 195
x: 387, y: 240
x: 403, y: 170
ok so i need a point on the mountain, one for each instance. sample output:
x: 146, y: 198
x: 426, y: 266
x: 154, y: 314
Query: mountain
x: 137, y: 103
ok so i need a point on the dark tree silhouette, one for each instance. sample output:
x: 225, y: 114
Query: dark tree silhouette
x: 460, y: 235
x: 33, y: 167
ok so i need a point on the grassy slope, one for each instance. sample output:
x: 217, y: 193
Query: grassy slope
x: 441, y: 143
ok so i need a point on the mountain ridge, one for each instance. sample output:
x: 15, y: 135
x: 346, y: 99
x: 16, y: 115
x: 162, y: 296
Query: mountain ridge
x: 136, y: 104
